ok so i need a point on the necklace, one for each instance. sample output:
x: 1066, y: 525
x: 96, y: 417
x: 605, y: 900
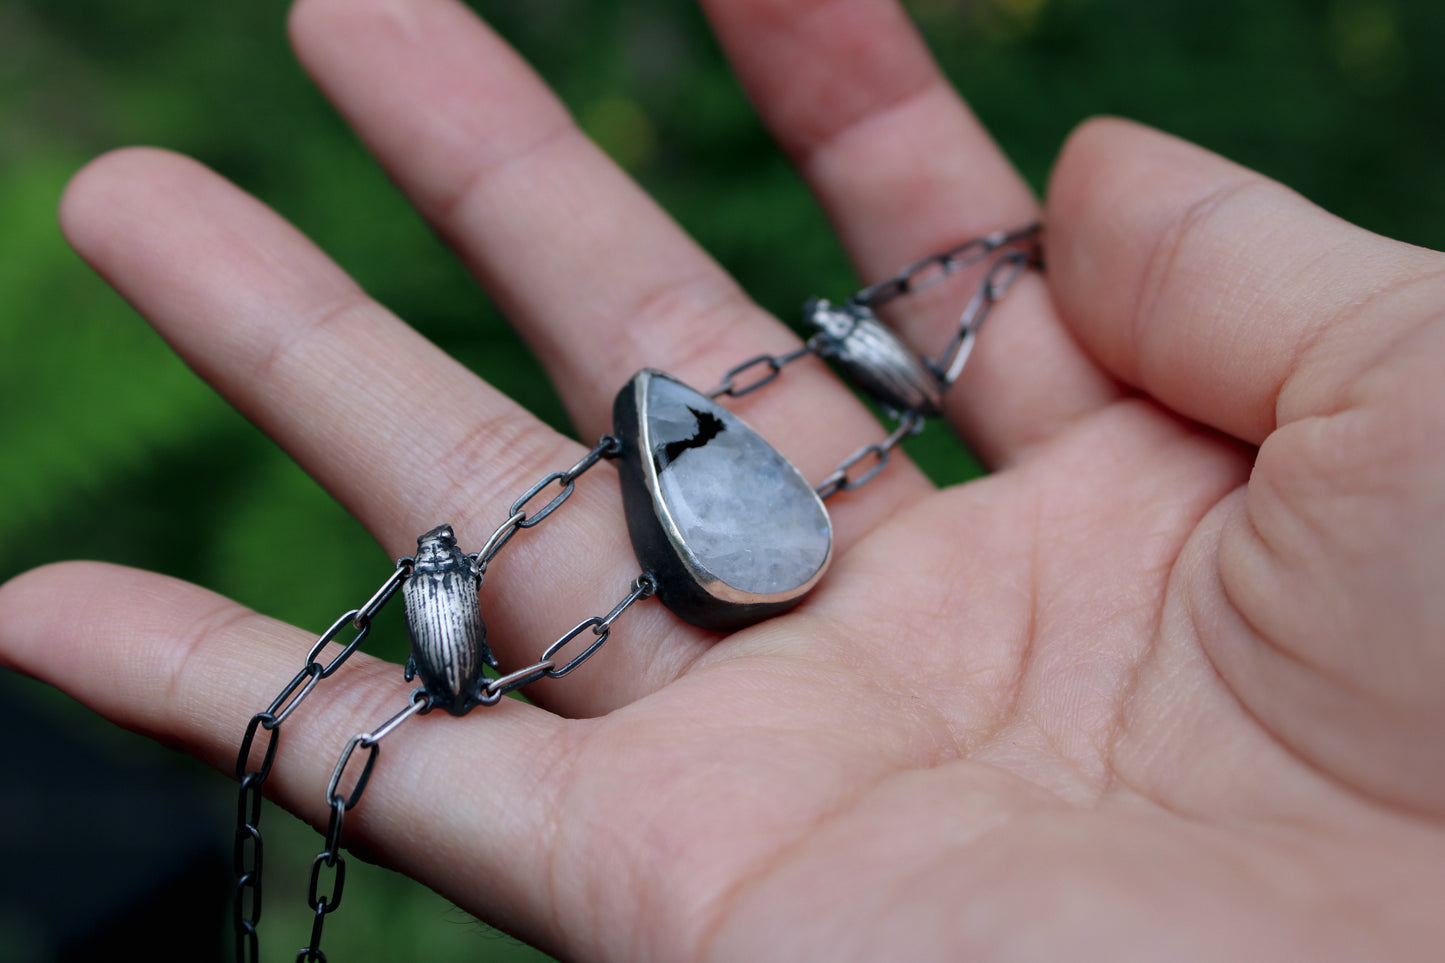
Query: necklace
x: 727, y: 533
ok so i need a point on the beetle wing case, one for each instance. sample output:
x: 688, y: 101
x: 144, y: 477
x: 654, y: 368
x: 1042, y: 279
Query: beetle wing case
x: 444, y: 621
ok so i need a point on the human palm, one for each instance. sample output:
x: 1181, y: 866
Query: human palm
x: 1163, y: 686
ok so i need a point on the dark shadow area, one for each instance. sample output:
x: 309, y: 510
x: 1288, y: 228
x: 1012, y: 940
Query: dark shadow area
x: 109, y: 852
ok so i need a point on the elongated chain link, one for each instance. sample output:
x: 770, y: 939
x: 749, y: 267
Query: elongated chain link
x: 246, y: 900
x: 1001, y: 276
x: 1020, y: 249
x: 607, y: 447
x: 548, y: 666
x: 842, y: 479
x: 772, y: 362
x: 936, y: 268
x: 324, y: 902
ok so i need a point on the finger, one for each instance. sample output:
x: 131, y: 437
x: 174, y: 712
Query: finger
x: 190, y: 668
x: 597, y: 279
x: 903, y: 169
x: 403, y: 436
x: 1224, y: 295
x: 519, y: 816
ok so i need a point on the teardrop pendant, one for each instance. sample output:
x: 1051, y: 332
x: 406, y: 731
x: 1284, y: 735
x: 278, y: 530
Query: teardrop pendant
x: 729, y: 529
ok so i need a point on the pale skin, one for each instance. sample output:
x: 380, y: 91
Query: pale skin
x: 1165, y: 685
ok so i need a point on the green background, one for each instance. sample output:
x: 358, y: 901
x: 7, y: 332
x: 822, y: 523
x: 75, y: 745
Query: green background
x: 110, y: 448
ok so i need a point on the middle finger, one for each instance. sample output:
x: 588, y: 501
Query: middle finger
x: 595, y: 276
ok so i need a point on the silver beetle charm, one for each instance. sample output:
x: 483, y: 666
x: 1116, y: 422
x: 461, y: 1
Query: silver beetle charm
x: 874, y: 358
x: 444, y: 620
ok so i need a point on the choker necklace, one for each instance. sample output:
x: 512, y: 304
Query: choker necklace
x: 726, y: 530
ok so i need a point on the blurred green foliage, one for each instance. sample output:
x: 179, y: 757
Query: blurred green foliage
x: 110, y: 448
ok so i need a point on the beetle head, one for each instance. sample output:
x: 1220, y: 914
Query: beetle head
x: 437, y: 544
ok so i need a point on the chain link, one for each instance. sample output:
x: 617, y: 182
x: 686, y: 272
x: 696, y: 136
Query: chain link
x: 997, y: 280
x: 325, y: 901
x: 247, y: 845
x: 996, y: 283
x: 773, y: 362
x: 840, y: 481
x: 642, y: 587
x: 936, y: 268
x: 1020, y: 249
x: 607, y: 447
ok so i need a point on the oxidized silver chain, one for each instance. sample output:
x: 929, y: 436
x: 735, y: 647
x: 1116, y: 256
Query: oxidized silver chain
x: 440, y: 584
x: 247, y: 898
x: 872, y: 357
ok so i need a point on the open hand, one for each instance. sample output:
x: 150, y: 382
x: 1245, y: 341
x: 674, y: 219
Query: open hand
x: 1165, y: 685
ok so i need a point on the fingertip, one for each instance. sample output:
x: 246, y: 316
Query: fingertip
x: 314, y: 19
x: 1106, y: 170
x: 56, y: 619
x: 299, y: 19
x: 137, y: 647
x: 1104, y: 139
x: 101, y: 176
x: 21, y: 589
x: 34, y: 604
x: 1094, y: 224
x: 1150, y: 242
x: 1082, y: 168
x: 103, y: 193
x: 310, y: 22
x: 1122, y: 147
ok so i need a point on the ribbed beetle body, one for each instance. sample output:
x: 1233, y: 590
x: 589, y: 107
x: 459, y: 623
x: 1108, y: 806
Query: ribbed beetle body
x: 875, y: 359
x: 444, y: 620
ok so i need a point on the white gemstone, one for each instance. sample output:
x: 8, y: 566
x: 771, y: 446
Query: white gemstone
x: 746, y: 515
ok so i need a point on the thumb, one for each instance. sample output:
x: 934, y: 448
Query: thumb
x: 1238, y: 304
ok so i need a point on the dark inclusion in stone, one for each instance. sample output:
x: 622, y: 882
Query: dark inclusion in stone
x: 730, y: 530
